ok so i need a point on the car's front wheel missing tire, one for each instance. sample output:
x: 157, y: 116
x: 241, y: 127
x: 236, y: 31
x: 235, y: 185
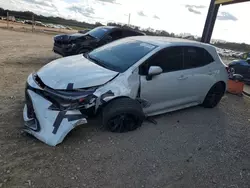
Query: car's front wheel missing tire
x: 214, y: 95
x: 122, y: 115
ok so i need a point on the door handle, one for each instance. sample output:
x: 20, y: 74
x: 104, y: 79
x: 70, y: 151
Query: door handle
x: 182, y: 77
x: 210, y: 72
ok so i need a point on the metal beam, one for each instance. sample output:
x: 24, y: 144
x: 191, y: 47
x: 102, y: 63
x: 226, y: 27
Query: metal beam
x: 212, y: 15
x: 210, y: 21
x: 229, y: 2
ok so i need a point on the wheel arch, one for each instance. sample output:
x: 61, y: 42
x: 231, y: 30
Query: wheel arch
x: 222, y: 83
x: 218, y: 82
x: 99, y: 109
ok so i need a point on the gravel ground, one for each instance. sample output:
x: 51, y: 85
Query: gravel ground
x: 195, y: 147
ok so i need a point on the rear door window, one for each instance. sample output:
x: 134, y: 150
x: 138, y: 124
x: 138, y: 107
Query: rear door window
x: 196, y: 57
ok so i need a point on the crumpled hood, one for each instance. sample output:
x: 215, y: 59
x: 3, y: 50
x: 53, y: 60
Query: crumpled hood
x: 76, y: 70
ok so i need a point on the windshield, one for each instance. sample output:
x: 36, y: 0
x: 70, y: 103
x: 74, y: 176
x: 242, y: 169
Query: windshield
x: 98, y: 32
x: 120, y: 55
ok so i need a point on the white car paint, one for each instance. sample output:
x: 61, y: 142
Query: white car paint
x: 47, y: 117
x: 74, y: 69
x: 165, y: 92
x: 178, y: 89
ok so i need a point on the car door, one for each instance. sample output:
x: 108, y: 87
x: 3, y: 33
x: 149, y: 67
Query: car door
x: 243, y: 68
x: 248, y: 69
x: 166, y: 90
x: 200, y: 69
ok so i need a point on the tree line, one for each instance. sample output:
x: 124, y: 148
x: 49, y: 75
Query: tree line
x: 27, y: 15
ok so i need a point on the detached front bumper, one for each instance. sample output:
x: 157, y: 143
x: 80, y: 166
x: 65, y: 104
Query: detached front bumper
x: 60, y: 51
x: 49, y: 126
x: 63, y: 51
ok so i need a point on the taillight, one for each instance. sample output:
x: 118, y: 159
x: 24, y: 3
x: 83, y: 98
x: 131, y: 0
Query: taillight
x: 229, y: 72
x: 227, y: 69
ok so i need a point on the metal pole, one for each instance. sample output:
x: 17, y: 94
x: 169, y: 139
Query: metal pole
x: 33, y: 22
x: 213, y: 19
x: 206, y: 29
x: 7, y: 20
x: 129, y: 19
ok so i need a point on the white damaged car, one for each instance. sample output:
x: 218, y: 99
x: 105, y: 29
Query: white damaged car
x: 126, y: 81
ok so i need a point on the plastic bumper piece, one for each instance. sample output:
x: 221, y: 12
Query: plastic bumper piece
x: 50, y: 126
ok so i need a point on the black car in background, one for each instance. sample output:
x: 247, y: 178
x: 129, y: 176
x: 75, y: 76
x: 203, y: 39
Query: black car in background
x: 72, y: 44
x: 241, y: 67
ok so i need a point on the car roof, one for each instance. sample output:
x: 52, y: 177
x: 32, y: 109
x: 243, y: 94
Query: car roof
x: 107, y: 27
x: 122, y: 28
x: 132, y: 30
x: 166, y: 41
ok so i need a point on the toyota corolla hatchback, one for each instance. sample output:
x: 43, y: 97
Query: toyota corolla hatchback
x: 124, y: 81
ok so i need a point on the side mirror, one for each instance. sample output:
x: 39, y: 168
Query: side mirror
x: 153, y: 71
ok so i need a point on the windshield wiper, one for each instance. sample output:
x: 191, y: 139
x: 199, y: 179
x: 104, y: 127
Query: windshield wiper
x: 101, y: 63
x: 97, y: 61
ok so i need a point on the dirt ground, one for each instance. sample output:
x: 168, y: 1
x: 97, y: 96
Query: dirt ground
x: 195, y: 147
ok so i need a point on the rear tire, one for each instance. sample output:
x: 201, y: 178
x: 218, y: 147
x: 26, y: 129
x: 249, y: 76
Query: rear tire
x: 214, y: 95
x: 122, y: 115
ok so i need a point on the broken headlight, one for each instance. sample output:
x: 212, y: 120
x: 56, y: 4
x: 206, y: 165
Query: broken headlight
x: 70, y: 100
x: 66, y: 99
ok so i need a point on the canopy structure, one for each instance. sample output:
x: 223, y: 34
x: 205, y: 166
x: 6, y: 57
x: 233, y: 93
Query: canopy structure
x: 212, y: 15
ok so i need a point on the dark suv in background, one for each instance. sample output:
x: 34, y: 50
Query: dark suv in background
x: 72, y: 44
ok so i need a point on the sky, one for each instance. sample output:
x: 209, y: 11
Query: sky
x: 178, y: 16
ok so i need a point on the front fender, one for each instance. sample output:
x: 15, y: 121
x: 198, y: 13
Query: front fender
x: 122, y: 86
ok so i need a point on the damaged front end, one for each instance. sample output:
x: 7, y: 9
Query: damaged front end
x: 51, y: 114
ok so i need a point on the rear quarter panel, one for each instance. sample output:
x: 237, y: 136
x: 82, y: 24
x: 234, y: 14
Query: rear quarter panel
x: 219, y: 66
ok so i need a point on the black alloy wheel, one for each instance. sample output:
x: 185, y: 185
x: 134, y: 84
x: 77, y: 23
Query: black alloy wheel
x: 122, y: 115
x: 123, y: 123
x: 214, y: 95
